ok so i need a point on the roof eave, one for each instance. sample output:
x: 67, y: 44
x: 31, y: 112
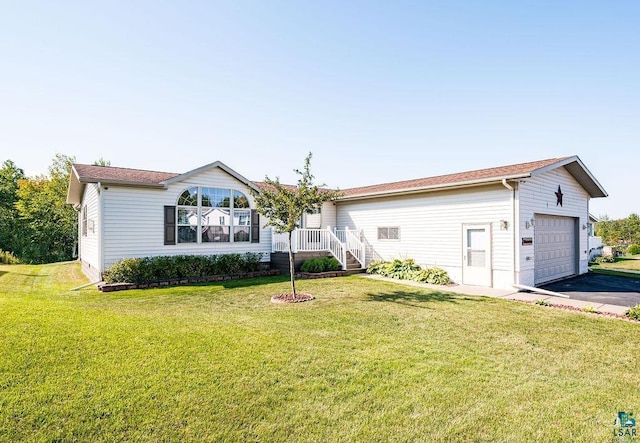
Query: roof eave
x: 580, y: 173
x: 440, y: 187
x: 75, y: 188
x: 128, y: 183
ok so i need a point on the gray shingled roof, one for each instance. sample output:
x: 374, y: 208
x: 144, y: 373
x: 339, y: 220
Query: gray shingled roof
x: 109, y: 174
x: 453, y: 179
x: 133, y: 177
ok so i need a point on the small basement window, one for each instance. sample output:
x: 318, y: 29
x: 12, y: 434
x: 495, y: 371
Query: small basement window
x: 388, y: 233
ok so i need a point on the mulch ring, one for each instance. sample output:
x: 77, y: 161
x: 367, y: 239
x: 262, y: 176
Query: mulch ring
x: 289, y: 298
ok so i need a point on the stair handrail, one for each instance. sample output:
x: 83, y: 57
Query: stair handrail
x: 337, y: 248
x: 355, y: 246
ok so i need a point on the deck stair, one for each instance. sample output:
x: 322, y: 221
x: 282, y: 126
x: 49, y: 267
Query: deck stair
x: 353, y: 265
x: 345, y: 245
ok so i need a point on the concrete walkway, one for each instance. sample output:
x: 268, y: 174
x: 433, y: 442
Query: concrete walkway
x: 508, y: 294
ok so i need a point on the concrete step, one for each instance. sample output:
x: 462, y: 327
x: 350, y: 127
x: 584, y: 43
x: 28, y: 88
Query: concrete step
x: 355, y: 271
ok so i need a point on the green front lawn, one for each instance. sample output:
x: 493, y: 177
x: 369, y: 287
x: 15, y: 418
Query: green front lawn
x: 631, y: 263
x: 366, y: 361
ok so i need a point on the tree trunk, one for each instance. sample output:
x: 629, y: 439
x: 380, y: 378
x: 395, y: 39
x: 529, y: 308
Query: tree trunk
x: 292, y: 268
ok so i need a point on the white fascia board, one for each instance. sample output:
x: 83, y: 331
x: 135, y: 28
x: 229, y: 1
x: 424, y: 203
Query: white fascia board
x: 575, y: 159
x: 442, y: 187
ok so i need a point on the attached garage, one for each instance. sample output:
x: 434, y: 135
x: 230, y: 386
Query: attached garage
x: 522, y: 224
x: 555, y: 246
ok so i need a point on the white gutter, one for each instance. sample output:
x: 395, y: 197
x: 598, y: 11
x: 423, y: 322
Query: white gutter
x: 513, y: 224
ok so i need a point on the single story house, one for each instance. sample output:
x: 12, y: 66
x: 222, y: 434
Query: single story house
x: 520, y: 224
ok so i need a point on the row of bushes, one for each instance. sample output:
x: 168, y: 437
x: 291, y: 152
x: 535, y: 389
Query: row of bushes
x: 408, y: 269
x: 152, y: 269
x: 604, y: 259
x: 324, y: 264
x: 7, y: 258
x: 633, y: 249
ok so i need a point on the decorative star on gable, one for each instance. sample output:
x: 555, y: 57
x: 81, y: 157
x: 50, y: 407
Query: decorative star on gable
x: 559, y: 195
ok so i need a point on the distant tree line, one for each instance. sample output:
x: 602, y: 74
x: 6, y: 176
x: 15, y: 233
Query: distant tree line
x: 621, y: 232
x: 36, y: 223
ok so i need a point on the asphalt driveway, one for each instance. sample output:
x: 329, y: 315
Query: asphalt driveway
x: 598, y: 288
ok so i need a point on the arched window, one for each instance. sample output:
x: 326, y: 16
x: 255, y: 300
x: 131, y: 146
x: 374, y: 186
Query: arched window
x: 213, y: 215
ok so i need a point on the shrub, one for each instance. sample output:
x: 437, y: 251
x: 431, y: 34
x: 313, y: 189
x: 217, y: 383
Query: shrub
x: 408, y: 269
x: 315, y: 265
x: 633, y: 313
x: 376, y: 267
x: 332, y: 264
x: 605, y: 259
x: 590, y: 309
x: 434, y: 276
x: 150, y: 269
x: 542, y: 302
x: 633, y: 249
x: 7, y: 258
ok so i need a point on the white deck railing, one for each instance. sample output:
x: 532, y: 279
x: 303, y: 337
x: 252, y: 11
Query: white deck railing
x: 321, y: 240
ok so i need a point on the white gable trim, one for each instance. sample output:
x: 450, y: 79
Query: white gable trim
x: 580, y: 172
x: 217, y: 164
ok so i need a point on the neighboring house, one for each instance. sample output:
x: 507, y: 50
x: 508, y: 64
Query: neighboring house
x: 520, y: 224
x: 595, y: 243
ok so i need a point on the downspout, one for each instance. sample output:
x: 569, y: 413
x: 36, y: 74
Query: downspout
x: 100, y: 229
x: 513, y: 224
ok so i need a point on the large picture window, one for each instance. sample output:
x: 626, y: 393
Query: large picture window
x: 213, y: 215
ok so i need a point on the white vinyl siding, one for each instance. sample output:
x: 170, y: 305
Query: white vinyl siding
x: 89, y: 246
x: 536, y: 195
x: 431, y: 226
x: 134, y: 224
x: 328, y: 215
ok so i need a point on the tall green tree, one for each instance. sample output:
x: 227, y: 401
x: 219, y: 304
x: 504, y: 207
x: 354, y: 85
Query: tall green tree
x: 284, y: 206
x: 51, y: 223
x: 10, y: 226
x: 620, y: 232
x: 102, y: 162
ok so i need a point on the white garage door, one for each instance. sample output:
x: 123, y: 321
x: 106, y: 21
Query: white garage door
x: 555, y: 248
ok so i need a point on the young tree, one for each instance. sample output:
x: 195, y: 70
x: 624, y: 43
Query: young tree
x: 284, y: 205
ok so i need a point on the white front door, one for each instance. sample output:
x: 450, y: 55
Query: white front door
x: 476, y: 255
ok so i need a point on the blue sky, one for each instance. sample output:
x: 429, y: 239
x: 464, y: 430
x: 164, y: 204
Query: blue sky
x: 378, y: 91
